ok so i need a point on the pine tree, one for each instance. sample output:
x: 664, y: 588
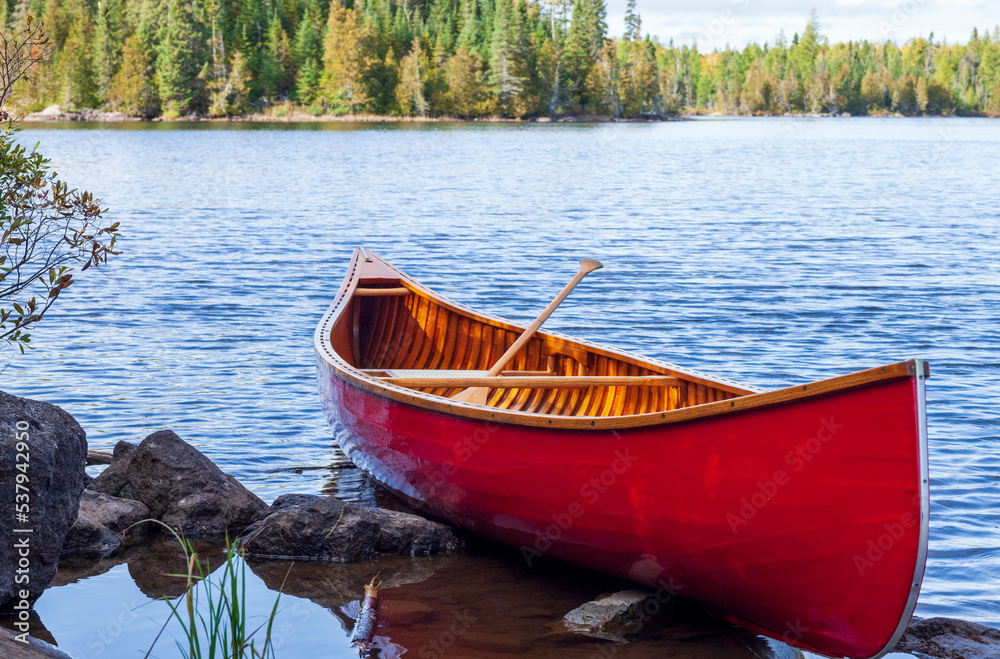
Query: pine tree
x: 461, y: 97
x: 132, y: 90
x: 551, y: 56
x: 638, y: 82
x: 307, y: 81
x: 308, y: 42
x: 807, y: 47
x: 506, y: 69
x: 276, y: 61
x: 632, y: 22
x: 346, y: 60
x: 470, y: 37
x: 442, y: 25
x: 307, y: 53
x: 76, y: 61
x: 104, y: 56
x: 179, y: 60
x: 584, y: 46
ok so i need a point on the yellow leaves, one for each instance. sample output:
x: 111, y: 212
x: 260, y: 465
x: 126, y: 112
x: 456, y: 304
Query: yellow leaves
x: 710, y: 63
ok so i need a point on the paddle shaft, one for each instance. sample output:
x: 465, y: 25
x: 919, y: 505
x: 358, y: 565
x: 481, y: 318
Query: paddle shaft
x: 530, y: 332
x: 478, y: 394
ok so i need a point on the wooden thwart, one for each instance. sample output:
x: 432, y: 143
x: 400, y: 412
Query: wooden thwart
x: 539, y: 382
x: 372, y: 292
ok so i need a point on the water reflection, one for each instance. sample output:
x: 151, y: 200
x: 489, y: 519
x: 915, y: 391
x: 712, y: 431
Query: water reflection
x: 485, y: 603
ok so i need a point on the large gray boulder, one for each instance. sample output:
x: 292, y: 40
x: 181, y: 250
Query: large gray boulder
x: 181, y: 487
x: 101, y: 522
x: 950, y: 638
x: 308, y: 526
x: 19, y: 646
x: 57, y: 452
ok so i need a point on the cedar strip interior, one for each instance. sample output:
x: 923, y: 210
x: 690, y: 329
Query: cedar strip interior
x: 415, y: 332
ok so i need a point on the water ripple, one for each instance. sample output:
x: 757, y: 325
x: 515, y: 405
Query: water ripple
x: 771, y: 251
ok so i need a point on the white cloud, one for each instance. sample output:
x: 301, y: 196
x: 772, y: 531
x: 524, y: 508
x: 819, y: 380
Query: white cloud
x: 716, y: 23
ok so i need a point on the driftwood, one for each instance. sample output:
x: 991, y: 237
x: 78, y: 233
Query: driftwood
x: 364, y: 626
x: 99, y: 458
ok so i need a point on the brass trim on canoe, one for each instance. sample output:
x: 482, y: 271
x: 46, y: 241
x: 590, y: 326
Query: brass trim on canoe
x: 425, y: 331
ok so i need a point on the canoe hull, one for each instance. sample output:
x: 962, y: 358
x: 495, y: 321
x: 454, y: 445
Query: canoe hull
x: 805, y: 521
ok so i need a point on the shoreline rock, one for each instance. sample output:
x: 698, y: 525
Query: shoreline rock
x: 282, y: 113
x: 113, y: 478
x: 54, y: 113
x: 10, y: 648
x: 306, y: 526
x: 101, y: 522
x: 618, y: 617
x: 53, y: 482
x: 949, y: 638
x: 180, y: 486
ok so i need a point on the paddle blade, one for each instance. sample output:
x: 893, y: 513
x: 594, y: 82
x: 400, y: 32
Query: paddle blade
x: 589, y: 265
x: 474, y: 395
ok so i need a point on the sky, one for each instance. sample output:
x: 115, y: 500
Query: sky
x: 716, y: 23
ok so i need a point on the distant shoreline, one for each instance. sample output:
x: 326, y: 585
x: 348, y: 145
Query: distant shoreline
x: 55, y: 115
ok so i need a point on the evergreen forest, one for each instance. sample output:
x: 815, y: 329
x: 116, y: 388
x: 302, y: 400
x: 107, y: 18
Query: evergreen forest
x: 469, y: 59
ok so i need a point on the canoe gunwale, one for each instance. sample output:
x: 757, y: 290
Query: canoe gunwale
x: 748, y: 397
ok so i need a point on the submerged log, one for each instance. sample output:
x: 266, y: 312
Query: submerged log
x: 364, y: 627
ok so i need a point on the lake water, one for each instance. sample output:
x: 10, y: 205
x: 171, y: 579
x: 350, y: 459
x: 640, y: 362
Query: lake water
x: 771, y: 251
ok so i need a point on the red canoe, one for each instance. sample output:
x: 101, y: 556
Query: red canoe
x: 800, y: 513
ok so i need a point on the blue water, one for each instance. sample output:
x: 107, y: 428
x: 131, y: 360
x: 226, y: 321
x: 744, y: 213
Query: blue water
x: 771, y: 251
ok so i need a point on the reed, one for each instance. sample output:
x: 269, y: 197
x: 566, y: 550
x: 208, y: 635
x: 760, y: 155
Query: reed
x: 213, y: 611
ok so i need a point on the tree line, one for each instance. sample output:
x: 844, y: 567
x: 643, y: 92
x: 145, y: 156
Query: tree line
x: 468, y: 58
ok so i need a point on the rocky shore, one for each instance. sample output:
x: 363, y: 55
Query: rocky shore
x: 97, y: 523
x: 55, y: 113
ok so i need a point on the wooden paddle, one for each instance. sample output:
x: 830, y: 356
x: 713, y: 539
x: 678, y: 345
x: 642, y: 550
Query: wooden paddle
x: 477, y: 395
